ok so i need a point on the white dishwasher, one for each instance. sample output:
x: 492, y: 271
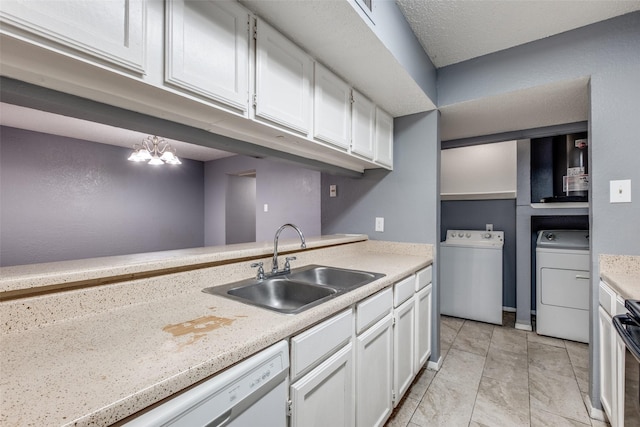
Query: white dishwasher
x: 251, y: 393
x: 471, y: 275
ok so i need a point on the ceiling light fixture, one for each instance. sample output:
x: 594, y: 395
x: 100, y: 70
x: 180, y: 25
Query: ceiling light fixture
x: 156, y: 151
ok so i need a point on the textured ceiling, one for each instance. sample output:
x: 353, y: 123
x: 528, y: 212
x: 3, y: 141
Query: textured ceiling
x: 453, y: 31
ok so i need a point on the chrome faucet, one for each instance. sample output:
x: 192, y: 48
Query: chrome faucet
x: 274, y: 268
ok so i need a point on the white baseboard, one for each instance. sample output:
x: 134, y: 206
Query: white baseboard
x: 595, y: 413
x: 509, y: 309
x: 523, y: 327
x: 435, y: 366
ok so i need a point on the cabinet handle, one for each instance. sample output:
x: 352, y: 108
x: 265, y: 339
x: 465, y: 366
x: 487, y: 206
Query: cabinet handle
x: 579, y: 276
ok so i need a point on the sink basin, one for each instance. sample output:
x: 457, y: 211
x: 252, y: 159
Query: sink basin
x: 337, y: 278
x: 282, y: 294
x: 276, y: 293
x: 297, y: 290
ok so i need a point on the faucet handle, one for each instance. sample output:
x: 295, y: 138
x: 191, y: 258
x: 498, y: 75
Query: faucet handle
x: 260, y: 275
x: 287, y: 266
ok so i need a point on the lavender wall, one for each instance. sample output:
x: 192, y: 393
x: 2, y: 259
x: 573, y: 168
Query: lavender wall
x: 63, y: 198
x: 292, y: 193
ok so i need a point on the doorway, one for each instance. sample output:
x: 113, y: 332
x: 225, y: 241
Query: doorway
x: 240, y: 208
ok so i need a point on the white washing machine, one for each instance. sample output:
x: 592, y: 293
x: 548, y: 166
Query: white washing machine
x: 563, y: 284
x: 471, y: 275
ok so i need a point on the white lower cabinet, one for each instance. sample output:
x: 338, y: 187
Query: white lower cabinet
x: 322, y: 389
x: 354, y: 369
x: 612, y: 356
x: 324, y: 397
x: 423, y: 327
x: 607, y: 368
x: 374, y: 359
x: 403, y: 349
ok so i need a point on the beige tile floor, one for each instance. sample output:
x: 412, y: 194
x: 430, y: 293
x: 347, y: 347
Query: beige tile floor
x: 499, y: 376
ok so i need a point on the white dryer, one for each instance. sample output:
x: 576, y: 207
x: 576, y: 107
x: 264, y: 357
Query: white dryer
x: 563, y: 284
x: 471, y: 275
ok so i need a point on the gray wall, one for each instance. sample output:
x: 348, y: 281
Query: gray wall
x: 63, y: 198
x: 292, y: 193
x: 393, y: 29
x: 408, y: 197
x: 455, y: 214
x: 608, y: 52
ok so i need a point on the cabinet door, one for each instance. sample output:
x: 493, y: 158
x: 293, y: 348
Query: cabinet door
x: 607, y: 369
x: 324, y: 397
x: 384, y: 139
x: 363, y: 119
x: 403, y: 348
x: 283, y: 76
x: 112, y: 31
x: 332, y: 108
x: 374, y: 362
x: 207, y: 50
x: 423, y: 327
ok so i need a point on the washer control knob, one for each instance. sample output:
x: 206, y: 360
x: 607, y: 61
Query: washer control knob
x: 460, y: 235
x: 453, y: 234
x: 468, y: 235
x: 487, y: 235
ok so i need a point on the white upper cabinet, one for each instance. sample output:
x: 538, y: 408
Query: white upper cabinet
x: 384, y: 139
x: 362, y: 126
x: 112, y: 31
x: 332, y: 108
x: 283, y: 81
x: 207, y: 50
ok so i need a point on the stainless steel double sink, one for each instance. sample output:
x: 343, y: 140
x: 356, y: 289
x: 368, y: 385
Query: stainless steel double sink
x: 297, y: 290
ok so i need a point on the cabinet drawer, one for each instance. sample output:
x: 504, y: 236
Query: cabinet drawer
x: 373, y: 309
x: 423, y: 278
x: 311, y: 347
x: 403, y: 290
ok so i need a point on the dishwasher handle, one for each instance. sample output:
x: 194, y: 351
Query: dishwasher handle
x: 242, y: 405
x: 221, y: 420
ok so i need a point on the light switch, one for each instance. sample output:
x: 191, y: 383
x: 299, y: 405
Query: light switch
x: 620, y: 191
x: 266, y: 207
x: 333, y: 190
x: 379, y: 224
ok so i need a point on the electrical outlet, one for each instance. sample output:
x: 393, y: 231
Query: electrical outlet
x: 379, y: 224
x: 620, y: 191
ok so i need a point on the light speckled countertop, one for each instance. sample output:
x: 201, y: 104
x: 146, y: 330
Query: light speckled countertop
x: 32, y: 277
x: 94, y: 356
x: 622, y: 273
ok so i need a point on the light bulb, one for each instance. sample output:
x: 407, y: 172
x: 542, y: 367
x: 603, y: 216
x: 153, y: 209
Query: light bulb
x: 144, y: 154
x: 167, y: 156
x: 155, y: 160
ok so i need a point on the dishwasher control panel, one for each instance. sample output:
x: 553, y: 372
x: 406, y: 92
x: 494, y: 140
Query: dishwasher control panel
x: 229, y: 394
